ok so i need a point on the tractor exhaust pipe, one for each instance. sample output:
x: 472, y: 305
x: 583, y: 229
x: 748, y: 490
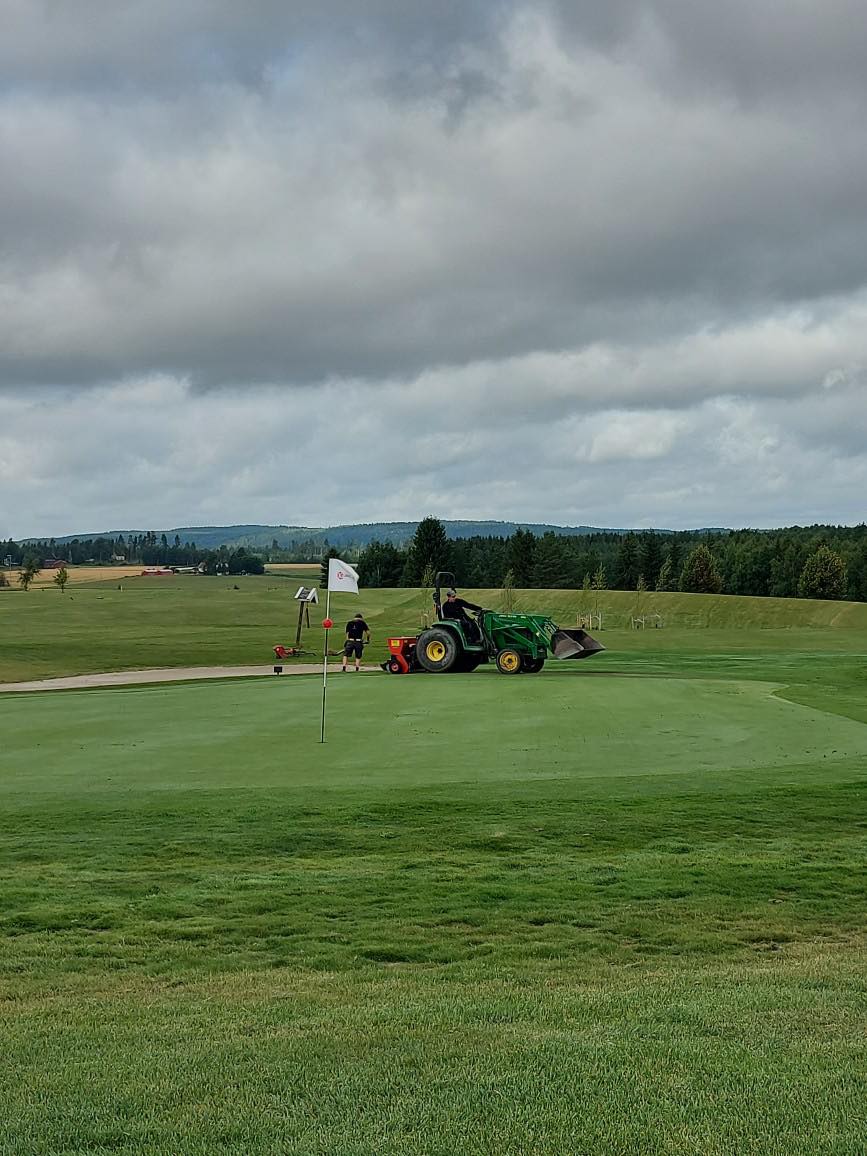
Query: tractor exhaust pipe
x: 574, y: 644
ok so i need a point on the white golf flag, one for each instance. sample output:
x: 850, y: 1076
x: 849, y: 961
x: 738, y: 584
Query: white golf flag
x: 341, y: 576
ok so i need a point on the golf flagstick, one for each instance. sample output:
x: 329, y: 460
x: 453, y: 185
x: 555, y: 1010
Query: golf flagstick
x: 327, y: 625
x: 341, y: 576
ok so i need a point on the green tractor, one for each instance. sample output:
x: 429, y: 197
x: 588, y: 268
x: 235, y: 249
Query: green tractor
x: 517, y: 643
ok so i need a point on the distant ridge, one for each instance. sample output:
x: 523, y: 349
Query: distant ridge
x: 355, y: 534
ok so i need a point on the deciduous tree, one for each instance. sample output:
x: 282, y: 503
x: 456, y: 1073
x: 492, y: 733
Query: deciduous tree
x: 508, y: 598
x: 381, y: 564
x: 824, y: 575
x: 700, y: 574
x: 27, y: 574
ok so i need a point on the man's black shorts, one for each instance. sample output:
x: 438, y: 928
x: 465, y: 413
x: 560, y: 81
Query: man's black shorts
x: 353, y: 647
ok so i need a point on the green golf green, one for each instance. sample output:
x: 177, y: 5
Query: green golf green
x: 389, y: 732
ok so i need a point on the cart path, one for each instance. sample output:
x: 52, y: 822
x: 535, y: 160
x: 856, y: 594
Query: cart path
x: 168, y: 674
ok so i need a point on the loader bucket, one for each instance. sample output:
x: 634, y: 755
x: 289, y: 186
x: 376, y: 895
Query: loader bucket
x: 574, y: 644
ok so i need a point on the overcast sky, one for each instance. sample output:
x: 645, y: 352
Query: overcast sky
x: 367, y: 260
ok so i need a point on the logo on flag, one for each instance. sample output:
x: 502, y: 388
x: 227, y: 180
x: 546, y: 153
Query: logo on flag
x: 341, y: 576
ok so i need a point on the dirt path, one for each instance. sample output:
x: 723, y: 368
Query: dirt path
x: 169, y: 674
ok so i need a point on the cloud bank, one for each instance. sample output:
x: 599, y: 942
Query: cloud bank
x: 536, y: 261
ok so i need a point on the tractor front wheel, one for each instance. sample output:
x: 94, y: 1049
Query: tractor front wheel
x: 509, y: 661
x: 437, y: 650
x: 531, y: 665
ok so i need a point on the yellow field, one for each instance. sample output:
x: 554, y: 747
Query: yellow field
x: 124, y: 573
x: 79, y: 574
x: 289, y: 567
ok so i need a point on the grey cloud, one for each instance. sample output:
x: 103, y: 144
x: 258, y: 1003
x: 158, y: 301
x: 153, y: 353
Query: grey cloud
x: 754, y: 52
x: 122, y: 46
x: 153, y: 453
x: 251, y: 254
x: 633, y: 234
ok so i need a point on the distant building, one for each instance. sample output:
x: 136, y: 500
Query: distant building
x: 53, y: 563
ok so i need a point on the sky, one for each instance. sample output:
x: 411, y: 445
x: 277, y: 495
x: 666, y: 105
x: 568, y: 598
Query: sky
x: 369, y: 260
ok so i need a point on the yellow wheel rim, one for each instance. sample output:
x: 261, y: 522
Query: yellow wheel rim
x: 510, y: 661
x: 435, y: 651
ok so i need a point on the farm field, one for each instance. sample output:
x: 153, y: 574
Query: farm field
x: 617, y: 907
x: 293, y: 569
x: 78, y: 575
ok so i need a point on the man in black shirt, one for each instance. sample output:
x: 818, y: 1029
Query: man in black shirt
x: 355, y: 630
x: 457, y: 608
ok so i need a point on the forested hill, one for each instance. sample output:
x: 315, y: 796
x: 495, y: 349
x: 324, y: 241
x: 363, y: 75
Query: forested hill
x: 316, y: 537
x: 827, y: 562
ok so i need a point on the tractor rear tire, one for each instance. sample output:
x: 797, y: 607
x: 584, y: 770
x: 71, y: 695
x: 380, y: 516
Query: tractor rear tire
x: 531, y: 665
x: 509, y: 661
x: 438, y: 651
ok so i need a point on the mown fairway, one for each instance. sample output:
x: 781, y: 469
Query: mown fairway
x: 614, y: 908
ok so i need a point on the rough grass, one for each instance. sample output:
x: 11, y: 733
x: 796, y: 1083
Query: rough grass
x: 194, y: 621
x: 616, y: 907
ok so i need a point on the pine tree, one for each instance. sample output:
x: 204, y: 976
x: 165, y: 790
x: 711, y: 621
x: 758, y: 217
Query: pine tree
x: 520, y: 556
x: 550, y: 564
x: 650, y: 558
x: 429, y: 549
x: 627, y: 562
x: 330, y: 552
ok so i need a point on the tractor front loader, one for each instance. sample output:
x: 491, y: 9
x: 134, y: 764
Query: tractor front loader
x: 517, y: 643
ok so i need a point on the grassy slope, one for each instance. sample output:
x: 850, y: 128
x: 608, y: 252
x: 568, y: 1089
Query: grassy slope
x: 204, y: 621
x: 580, y: 912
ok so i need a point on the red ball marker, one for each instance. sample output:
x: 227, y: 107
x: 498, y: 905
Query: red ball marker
x: 327, y: 624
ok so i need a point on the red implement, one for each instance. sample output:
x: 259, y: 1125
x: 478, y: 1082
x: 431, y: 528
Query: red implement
x: 401, y: 658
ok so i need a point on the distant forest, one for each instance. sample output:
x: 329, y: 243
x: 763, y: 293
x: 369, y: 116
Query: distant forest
x: 799, y: 561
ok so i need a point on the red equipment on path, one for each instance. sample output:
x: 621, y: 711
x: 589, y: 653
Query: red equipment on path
x: 402, y: 658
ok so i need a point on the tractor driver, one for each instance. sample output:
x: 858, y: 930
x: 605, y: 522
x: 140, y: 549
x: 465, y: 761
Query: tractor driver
x: 457, y: 608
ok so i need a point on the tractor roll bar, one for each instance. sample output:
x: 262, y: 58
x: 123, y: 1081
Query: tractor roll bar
x: 443, y: 578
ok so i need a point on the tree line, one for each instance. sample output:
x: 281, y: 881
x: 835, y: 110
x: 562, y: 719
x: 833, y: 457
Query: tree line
x: 800, y: 561
x: 147, y: 549
x: 805, y: 562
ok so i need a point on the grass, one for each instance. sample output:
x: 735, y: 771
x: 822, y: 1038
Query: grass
x: 613, y: 908
x: 195, y: 621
